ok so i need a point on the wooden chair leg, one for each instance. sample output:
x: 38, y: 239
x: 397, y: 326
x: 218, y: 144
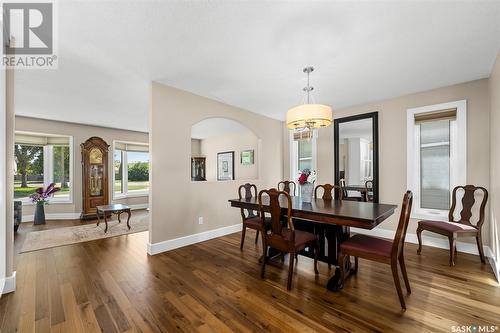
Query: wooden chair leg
x: 453, y: 244
x: 316, y: 253
x: 355, y: 265
x: 256, y: 236
x: 480, y: 247
x: 405, y: 274
x: 397, y: 283
x: 264, y: 258
x: 290, y: 271
x: 243, y: 232
x: 419, y: 236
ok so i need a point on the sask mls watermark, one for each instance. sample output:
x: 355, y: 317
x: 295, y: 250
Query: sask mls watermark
x: 28, y: 35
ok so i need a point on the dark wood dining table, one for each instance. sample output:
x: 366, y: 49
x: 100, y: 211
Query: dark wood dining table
x: 330, y: 220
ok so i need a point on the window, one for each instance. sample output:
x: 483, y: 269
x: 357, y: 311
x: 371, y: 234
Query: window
x: 303, y: 154
x: 41, y: 159
x: 131, y: 169
x: 436, y: 156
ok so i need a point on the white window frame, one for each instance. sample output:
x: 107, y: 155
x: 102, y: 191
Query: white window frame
x: 125, y: 194
x: 458, y: 155
x: 48, y: 168
x: 294, y: 153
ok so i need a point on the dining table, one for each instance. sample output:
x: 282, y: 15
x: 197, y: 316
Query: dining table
x: 330, y: 220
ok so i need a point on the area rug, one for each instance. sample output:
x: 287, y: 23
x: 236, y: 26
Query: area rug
x: 45, y: 239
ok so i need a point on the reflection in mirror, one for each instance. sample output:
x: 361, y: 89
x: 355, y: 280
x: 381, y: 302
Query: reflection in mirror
x: 355, y: 158
x: 213, y: 136
x: 356, y: 152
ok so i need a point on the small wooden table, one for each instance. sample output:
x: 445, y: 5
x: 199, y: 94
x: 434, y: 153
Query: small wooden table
x: 113, y: 209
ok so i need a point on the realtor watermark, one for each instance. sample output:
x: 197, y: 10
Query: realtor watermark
x: 474, y: 328
x: 29, y: 35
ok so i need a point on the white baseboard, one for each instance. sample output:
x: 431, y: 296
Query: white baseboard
x: 496, y: 267
x: 176, y: 243
x: 139, y: 206
x: 441, y: 243
x: 10, y: 284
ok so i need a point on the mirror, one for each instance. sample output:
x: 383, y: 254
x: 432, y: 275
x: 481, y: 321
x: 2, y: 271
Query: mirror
x: 356, y: 156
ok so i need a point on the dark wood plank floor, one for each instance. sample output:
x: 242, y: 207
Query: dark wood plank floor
x: 112, y: 285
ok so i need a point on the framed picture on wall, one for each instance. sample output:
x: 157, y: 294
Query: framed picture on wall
x: 225, y: 165
x: 246, y: 157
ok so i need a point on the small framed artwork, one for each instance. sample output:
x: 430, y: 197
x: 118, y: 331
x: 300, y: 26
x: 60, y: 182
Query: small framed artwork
x: 225, y: 165
x: 247, y: 157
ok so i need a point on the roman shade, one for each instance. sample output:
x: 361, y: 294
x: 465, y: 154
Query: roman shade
x: 41, y: 140
x: 302, y: 135
x: 136, y: 147
x: 447, y: 114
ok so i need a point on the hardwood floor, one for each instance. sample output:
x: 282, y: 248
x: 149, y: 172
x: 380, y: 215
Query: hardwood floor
x: 112, y: 285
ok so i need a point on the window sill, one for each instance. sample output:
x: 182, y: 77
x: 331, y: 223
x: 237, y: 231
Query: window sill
x: 52, y: 202
x: 441, y: 216
x: 131, y: 195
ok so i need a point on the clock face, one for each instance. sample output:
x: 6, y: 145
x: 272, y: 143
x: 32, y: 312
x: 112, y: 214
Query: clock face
x: 95, y: 156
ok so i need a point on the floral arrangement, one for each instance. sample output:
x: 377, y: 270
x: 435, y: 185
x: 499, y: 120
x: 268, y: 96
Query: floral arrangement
x: 307, y: 176
x: 41, y: 195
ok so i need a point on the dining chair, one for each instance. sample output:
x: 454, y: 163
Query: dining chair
x: 328, y: 191
x: 381, y: 250
x: 250, y: 219
x: 288, y: 186
x: 369, y: 190
x: 285, y: 239
x: 463, y: 226
x: 345, y: 193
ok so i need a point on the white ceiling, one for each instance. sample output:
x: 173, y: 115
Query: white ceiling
x: 251, y: 54
x: 213, y: 127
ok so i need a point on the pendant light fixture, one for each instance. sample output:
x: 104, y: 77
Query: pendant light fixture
x: 309, y: 116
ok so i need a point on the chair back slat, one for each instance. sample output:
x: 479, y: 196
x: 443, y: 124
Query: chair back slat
x: 276, y: 212
x: 468, y: 201
x: 247, y: 213
x: 404, y: 218
x: 287, y: 186
x: 328, y: 191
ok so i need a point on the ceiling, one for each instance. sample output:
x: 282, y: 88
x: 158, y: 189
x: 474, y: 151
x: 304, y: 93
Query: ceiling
x: 251, y: 54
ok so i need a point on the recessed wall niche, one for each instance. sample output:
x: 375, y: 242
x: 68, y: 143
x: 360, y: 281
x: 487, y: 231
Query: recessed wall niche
x: 212, y: 136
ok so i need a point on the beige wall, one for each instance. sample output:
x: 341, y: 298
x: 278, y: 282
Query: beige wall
x: 176, y: 202
x: 233, y: 142
x: 392, y: 140
x: 80, y: 133
x: 494, y: 85
x: 195, y: 147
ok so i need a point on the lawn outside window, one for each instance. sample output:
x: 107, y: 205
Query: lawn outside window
x: 130, y: 169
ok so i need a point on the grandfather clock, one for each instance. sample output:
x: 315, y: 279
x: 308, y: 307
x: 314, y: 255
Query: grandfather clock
x: 95, y: 176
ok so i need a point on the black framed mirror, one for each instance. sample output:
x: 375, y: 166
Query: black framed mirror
x: 356, y: 156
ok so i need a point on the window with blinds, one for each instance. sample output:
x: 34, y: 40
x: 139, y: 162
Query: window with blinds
x: 303, y: 153
x: 436, y: 156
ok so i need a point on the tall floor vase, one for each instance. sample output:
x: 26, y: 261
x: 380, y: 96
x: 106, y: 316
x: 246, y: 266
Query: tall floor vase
x: 39, y: 214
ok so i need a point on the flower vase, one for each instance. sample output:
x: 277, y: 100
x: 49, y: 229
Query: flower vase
x: 39, y: 214
x: 306, y: 192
